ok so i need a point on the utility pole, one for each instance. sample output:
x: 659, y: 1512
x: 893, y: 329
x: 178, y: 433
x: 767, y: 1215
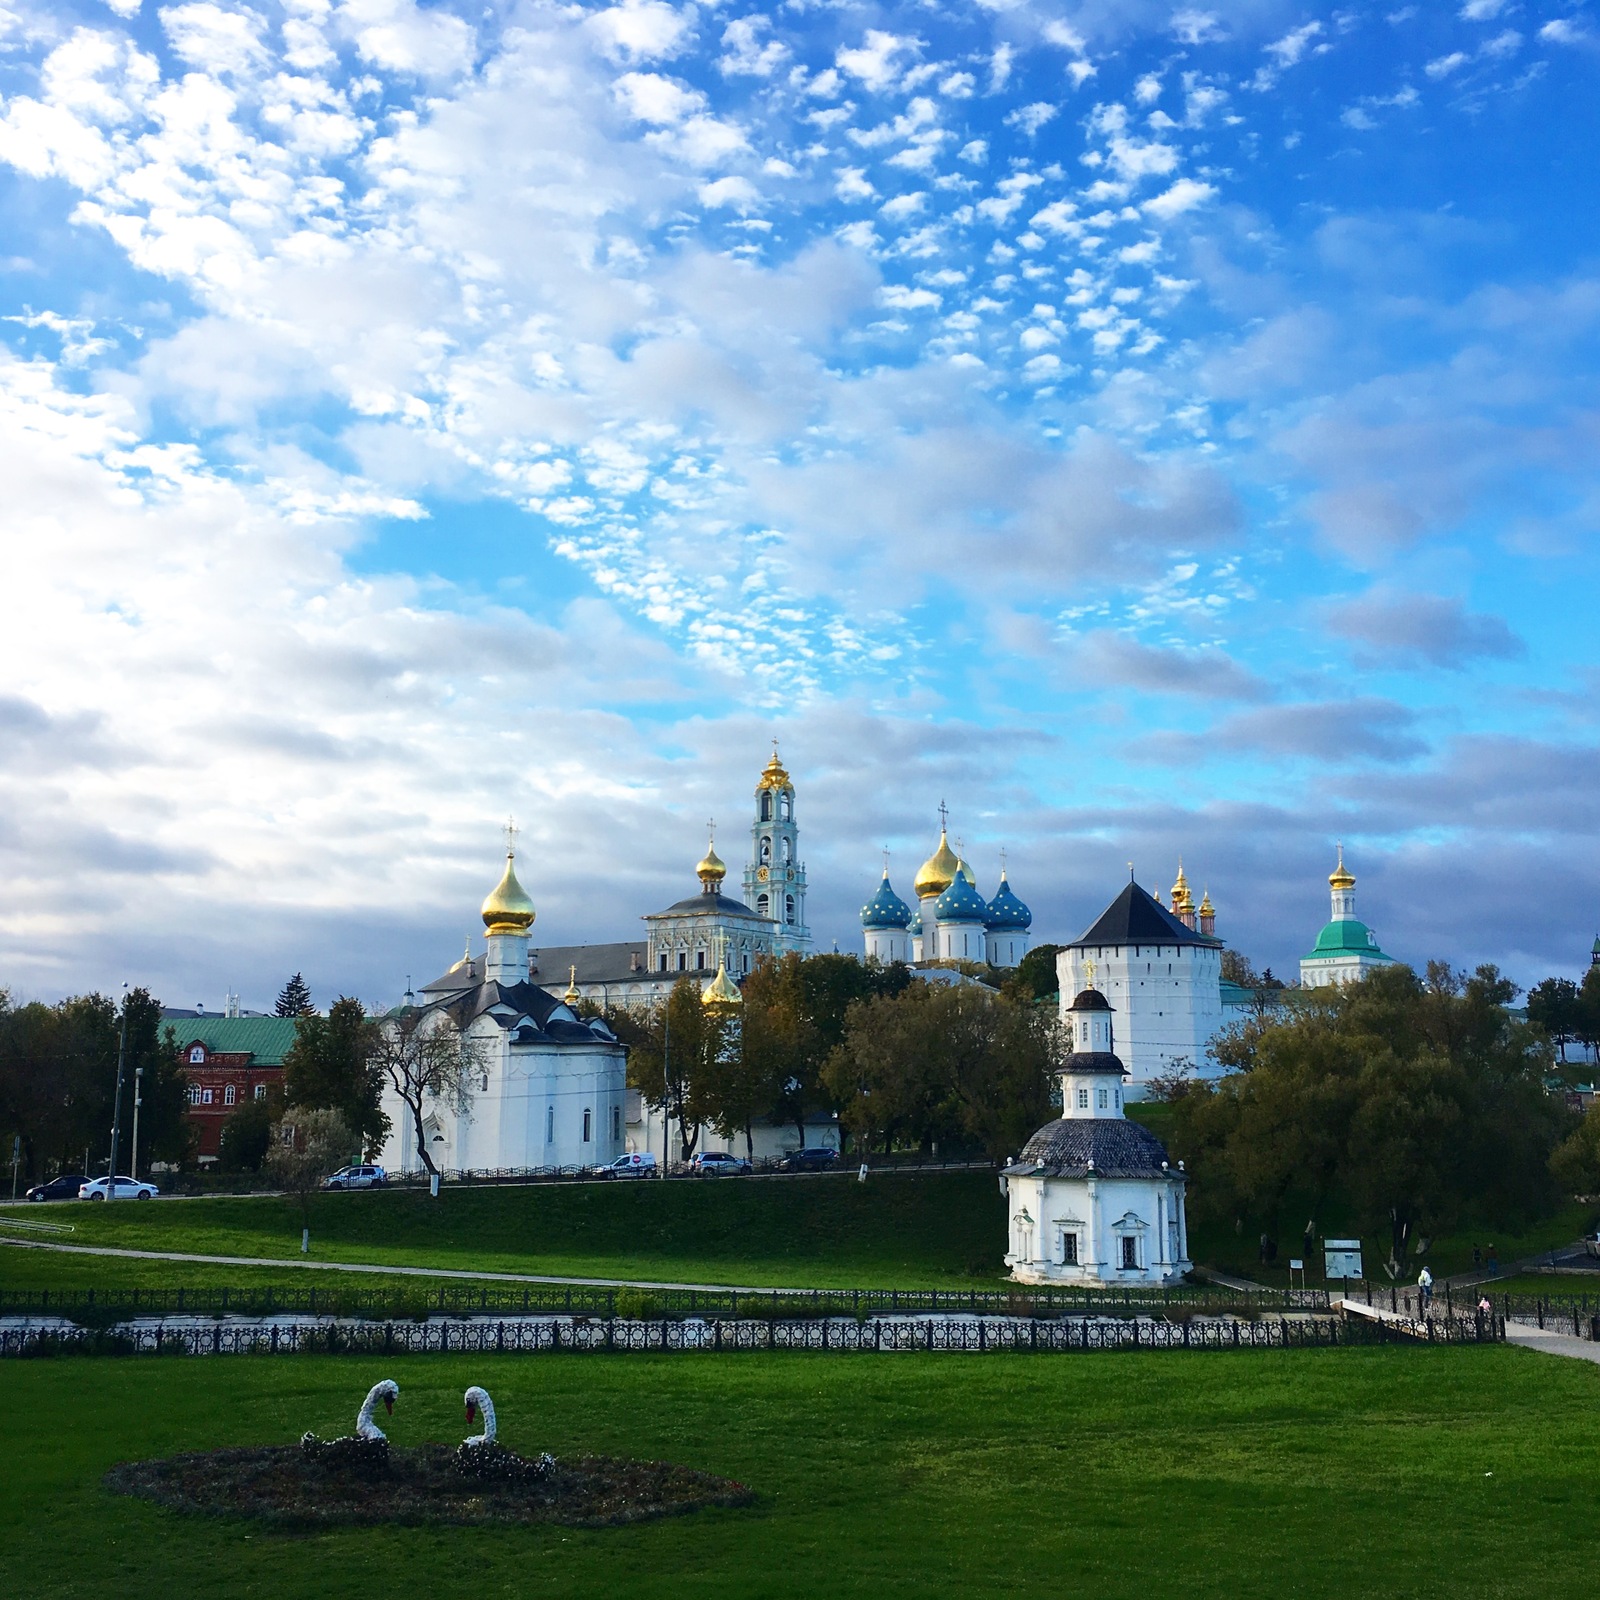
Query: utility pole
x: 116, y: 1111
x: 666, y: 1085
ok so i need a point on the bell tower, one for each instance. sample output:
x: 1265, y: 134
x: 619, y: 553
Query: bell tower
x: 775, y: 879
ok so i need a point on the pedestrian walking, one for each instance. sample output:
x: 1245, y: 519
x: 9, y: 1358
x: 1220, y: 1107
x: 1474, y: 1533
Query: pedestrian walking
x: 1424, y: 1291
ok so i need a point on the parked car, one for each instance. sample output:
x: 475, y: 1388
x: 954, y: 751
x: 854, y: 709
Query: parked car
x: 818, y: 1159
x: 718, y: 1164
x: 639, y: 1165
x: 127, y: 1189
x: 65, y: 1187
x: 356, y: 1178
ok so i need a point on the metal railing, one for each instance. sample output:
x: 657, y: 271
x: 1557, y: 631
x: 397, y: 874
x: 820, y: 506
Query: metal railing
x: 977, y: 1335
x: 465, y: 1299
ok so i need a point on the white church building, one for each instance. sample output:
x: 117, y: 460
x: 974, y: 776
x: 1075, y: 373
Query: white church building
x: 1347, y: 949
x: 550, y: 1087
x: 1092, y: 1198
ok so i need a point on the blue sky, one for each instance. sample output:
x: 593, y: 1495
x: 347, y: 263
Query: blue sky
x: 1155, y: 431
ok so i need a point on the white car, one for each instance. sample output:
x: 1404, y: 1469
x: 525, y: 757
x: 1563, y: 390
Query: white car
x: 362, y: 1177
x: 639, y: 1165
x: 127, y: 1189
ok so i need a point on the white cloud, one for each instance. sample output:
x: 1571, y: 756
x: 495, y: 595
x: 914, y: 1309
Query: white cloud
x: 1031, y: 118
x: 648, y: 97
x: 399, y: 36
x: 1563, y: 31
x: 1482, y: 10
x: 1197, y: 27
x: 215, y: 39
x: 877, y: 61
x: 1291, y: 48
x: 1184, y: 195
x: 747, y: 52
x: 1443, y: 66
x: 902, y: 298
x: 642, y: 30
x: 735, y: 193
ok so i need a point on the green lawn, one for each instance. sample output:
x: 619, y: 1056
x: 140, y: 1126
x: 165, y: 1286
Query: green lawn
x: 1425, y: 1471
x: 929, y: 1230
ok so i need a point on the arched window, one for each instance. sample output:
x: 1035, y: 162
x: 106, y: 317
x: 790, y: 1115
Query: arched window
x: 766, y: 805
x: 788, y: 908
x: 766, y: 851
x: 788, y: 851
x: 763, y: 906
x: 197, y: 1055
x: 785, y: 808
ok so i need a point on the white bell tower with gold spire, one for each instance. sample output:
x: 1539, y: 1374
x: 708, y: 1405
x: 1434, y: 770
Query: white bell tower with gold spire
x: 775, y: 878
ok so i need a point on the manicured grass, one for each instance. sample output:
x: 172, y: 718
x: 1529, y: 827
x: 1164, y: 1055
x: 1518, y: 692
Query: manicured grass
x: 1420, y: 1471
x: 900, y: 1231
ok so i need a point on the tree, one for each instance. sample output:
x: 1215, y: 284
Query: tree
x: 426, y: 1059
x: 294, y: 999
x: 673, y: 1049
x: 1420, y: 1100
x: 1036, y: 972
x: 1554, y: 1006
x: 247, y: 1136
x: 1586, y: 1022
x: 330, y: 1066
x: 1576, y: 1160
x: 304, y: 1150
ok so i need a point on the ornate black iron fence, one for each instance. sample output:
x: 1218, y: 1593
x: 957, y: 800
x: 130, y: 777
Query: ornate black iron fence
x: 433, y: 1298
x: 834, y: 1334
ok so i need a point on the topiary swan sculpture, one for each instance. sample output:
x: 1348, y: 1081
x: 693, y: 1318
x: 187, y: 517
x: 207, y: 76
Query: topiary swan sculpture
x: 367, y: 1449
x: 483, y: 1456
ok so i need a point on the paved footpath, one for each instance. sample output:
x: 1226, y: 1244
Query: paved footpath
x: 1551, y: 1343
x: 394, y: 1272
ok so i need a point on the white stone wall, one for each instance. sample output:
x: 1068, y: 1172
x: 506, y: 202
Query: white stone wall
x: 1166, y: 1002
x: 888, y: 944
x: 1007, y: 947
x: 961, y: 941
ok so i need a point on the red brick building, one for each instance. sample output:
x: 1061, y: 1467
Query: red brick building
x: 228, y: 1061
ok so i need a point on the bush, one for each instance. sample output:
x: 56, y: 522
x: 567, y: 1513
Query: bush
x: 245, y: 1137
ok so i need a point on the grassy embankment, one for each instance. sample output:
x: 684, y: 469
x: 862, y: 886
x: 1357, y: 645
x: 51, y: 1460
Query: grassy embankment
x: 931, y: 1230
x: 1118, y: 1475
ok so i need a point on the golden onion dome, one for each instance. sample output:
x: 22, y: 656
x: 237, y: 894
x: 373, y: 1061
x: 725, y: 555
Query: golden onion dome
x: 572, y: 997
x: 1182, y: 900
x: 711, y: 869
x: 773, y: 775
x: 722, y: 990
x: 1341, y: 877
x: 1206, y: 907
x: 508, y: 908
x: 938, y: 872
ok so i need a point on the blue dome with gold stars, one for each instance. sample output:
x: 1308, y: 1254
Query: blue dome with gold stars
x: 885, y: 909
x: 1006, y: 911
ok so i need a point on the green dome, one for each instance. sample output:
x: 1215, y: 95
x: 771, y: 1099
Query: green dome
x: 1347, y: 938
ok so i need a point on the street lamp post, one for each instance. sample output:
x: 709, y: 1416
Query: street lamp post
x: 138, y: 1100
x: 116, y: 1104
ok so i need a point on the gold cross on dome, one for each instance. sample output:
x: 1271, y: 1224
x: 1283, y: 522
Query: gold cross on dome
x: 944, y: 817
x: 1088, y: 973
x: 711, y: 828
x: 511, y: 830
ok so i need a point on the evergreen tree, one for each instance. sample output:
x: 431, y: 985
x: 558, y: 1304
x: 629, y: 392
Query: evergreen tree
x: 294, y: 999
x: 331, y: 1067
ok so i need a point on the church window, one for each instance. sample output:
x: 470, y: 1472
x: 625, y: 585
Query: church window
x: 205, y: 1097
x: 1069, y: 1249
x: 194, y: 1094
x: 261, y: 1091
x: 197, y: 1055
x: 785, y: 808
x: 747, y: 963
x: 683, y: 961
x: 762, y: 904
x: 549, y: 1124
x: 1130, y: 1253
x: 766, y: 806
x: 788, y: 851
x: 228, y: 1095
x: 1101, y: 1099
x: 588, y: 1124
x: 788, y: 908
x: 700, y: 960
x: 616, y: 1123
x: 661, y: 962
x: 766, y: 851
x: 1083, y: 1099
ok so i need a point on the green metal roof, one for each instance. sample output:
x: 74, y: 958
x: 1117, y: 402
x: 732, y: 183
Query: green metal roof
x: 1347, y: 938
x: 265, y: 1039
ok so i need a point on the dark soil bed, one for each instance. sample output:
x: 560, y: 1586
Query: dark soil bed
x: 275, y: 1483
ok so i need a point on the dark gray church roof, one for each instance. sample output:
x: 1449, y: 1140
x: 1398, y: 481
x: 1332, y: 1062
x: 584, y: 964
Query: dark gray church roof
x: 709, y: 904
x: 1119, y: 1149
x: 525, y: 1007
x: 1135, y: 918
